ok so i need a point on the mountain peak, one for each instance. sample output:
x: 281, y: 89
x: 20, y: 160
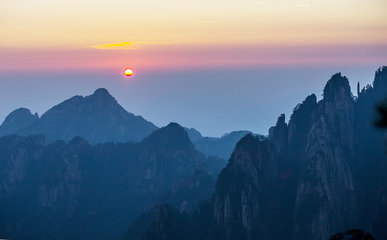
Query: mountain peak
x: 171, y: 136
x: 16, y: 120
x: 174, y: 125
x: 281, y: 120
x: 78, y: 141
x: 97, y: 118
x: 247, y: 142
x: 101, y: 91
x: 279, y: 133
x: 21, y: 111
x: 103, y: 94
x: 381, y: 77
x: 337, y: 88
x: 172, y: 129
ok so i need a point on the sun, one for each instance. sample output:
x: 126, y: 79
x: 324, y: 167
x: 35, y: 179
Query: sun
x: 128, y: 72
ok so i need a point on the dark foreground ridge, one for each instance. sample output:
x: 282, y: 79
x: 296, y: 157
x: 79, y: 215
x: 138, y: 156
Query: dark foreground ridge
x: 321, y: 173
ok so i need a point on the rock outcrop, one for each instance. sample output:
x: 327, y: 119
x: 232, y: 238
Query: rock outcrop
x: 331, y: 160
x: 241, y: 205
x: 325, y: 200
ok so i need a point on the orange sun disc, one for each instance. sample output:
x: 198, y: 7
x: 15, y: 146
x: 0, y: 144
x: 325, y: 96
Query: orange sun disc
x: 128, y: 72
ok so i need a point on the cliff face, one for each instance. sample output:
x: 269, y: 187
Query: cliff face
x: 40, y: 185
x: 323, y: 164
x: 240, y: 205
x: 299, y: 125
x: 324, y: 172
x: 325, y: 200
x: 163, y: 222
x: 371, y: 163
x: 187, y: 193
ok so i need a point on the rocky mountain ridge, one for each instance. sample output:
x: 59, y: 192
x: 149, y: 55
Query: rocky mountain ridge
x: 99, y: 118
x: 323, y: 172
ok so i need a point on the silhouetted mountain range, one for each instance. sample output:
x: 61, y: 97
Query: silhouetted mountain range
x: 213, y: 146
x: 323, y: 172
x: 99, y: 118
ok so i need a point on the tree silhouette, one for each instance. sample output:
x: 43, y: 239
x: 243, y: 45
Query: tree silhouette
x: 353, y: 234
x: 381, y: 120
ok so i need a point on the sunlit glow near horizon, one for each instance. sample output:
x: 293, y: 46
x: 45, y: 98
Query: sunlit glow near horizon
x: 128, y: 72
x: 153, y: 33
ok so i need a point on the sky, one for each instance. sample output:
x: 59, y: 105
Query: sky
x: 213, y: 65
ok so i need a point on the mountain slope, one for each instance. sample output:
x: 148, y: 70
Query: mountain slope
x: 328, y: 181
x: 322, y: 173
x: 16, y: 120
x: 78, y: 191
x: 320, y: 148
x: 97, y: 118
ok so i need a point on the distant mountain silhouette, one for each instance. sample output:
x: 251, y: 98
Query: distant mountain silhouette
x: 221, y: 147
x: 16, y: 120
x: 97, y: 118
x: 78, y: 191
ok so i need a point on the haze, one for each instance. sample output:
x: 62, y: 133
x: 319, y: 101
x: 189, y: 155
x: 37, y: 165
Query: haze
x: 216, y: 66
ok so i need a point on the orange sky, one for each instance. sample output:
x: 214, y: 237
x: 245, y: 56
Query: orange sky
x: 54, y: 34
x: 180, y: 57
